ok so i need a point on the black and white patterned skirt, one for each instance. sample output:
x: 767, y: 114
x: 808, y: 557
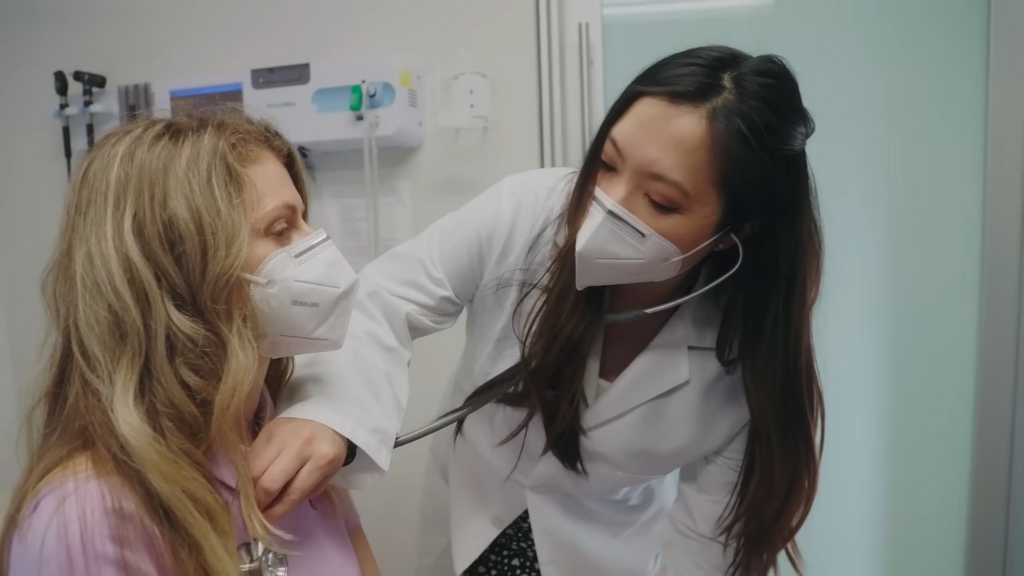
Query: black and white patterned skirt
x: 512, y: 553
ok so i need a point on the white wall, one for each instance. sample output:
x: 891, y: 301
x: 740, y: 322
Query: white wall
x: 8, y: 419
x: 133, y: 41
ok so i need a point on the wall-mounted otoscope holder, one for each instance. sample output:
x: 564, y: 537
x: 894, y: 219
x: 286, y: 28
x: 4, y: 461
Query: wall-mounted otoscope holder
x: 104, y: 112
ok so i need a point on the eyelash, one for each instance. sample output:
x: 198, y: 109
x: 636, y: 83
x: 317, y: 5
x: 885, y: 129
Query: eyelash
x: 661, y: 207
x: 282, y: 232
x: 606, y: 166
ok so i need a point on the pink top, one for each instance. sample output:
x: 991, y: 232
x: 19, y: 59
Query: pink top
x: 70, y: 530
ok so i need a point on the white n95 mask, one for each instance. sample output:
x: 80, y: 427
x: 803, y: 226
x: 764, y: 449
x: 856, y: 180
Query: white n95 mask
x: 615, y: 247
x: 303, y: 296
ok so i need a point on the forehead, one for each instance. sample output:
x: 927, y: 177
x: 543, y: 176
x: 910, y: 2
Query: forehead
x: 668, y: 139
x: 271, y: 183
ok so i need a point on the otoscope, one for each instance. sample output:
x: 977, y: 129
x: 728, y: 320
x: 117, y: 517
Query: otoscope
x: 60, y: 83
x: 89, y: 81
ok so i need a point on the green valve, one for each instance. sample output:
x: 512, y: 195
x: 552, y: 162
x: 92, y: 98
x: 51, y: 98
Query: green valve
x: 355, y: 99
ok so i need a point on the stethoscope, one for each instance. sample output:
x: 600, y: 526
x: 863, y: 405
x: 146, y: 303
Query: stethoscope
x: 610, y: 318
x: 255, y: 559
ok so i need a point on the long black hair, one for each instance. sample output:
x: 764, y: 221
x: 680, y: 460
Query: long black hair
x: 759, y: 128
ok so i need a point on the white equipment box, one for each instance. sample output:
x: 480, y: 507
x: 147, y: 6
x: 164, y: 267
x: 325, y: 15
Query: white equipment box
x: 320, y: 107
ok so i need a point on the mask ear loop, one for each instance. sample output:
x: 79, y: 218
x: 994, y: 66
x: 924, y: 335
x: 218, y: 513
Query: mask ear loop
x: 616, y: 317
x: 699, y: 248
x: 256, y: 279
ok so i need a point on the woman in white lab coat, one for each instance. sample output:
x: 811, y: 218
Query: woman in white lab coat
x: 684, y: 440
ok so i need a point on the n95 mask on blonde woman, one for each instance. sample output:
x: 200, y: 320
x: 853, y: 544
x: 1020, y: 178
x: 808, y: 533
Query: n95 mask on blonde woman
x: 303, y: 297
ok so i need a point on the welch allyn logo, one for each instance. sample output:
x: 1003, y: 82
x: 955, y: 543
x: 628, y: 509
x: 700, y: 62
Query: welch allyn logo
x: 304, y: 304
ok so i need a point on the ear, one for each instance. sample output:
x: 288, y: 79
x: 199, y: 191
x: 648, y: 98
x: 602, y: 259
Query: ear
x: 742, y: 232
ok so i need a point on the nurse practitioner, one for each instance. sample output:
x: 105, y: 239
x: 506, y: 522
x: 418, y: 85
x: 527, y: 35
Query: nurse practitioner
x: 650, y: 318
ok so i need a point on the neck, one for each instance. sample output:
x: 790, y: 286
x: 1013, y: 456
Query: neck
x: 626, y: 297
x: 252, y: 402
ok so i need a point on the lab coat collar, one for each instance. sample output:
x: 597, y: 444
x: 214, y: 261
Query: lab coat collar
x: 220, y: 465
x: 702, y: 314
x: 662, y: 366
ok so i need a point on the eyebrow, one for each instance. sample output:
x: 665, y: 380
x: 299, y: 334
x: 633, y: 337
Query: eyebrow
x: 679, y: 186
x: 671, y: 182
x: 276, y: 209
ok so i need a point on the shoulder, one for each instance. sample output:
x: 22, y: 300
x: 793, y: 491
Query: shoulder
x: 541, y: 188
x: 512, y: 207
x: 549, y: 177
x: 533, y: 200
x: 84, y: 525
x: 68, y: 503
x: 510, y: 215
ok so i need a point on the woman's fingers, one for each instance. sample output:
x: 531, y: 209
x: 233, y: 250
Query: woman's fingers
x: 263, y: 454
x: 293, y: 460
x: 301, y: 488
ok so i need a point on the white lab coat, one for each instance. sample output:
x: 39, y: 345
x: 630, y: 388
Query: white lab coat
x: 663, y: 446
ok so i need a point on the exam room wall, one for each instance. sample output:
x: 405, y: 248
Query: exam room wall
x: 133, y: 41
x: 898, y: 90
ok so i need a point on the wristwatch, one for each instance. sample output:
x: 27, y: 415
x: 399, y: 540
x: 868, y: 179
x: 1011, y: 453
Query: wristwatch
x: 350, y: 453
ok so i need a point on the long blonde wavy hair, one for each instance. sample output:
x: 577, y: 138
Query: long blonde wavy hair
x: 151, y: 353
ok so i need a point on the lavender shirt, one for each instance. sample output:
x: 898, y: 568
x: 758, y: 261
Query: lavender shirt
x: 74, y: 528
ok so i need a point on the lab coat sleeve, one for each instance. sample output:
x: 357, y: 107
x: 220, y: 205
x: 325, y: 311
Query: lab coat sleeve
x: 692, y: 542
x: 414, y: 290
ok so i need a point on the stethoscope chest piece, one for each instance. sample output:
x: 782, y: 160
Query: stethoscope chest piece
x: 255, y: 559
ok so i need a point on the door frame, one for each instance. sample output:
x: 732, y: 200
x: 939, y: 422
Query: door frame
x: 999, y: 400
x: 571, y: 78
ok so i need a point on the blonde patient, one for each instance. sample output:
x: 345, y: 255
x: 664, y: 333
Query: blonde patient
x: 167, y: 347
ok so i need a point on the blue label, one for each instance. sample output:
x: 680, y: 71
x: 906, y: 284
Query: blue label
x: 203, y: 90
